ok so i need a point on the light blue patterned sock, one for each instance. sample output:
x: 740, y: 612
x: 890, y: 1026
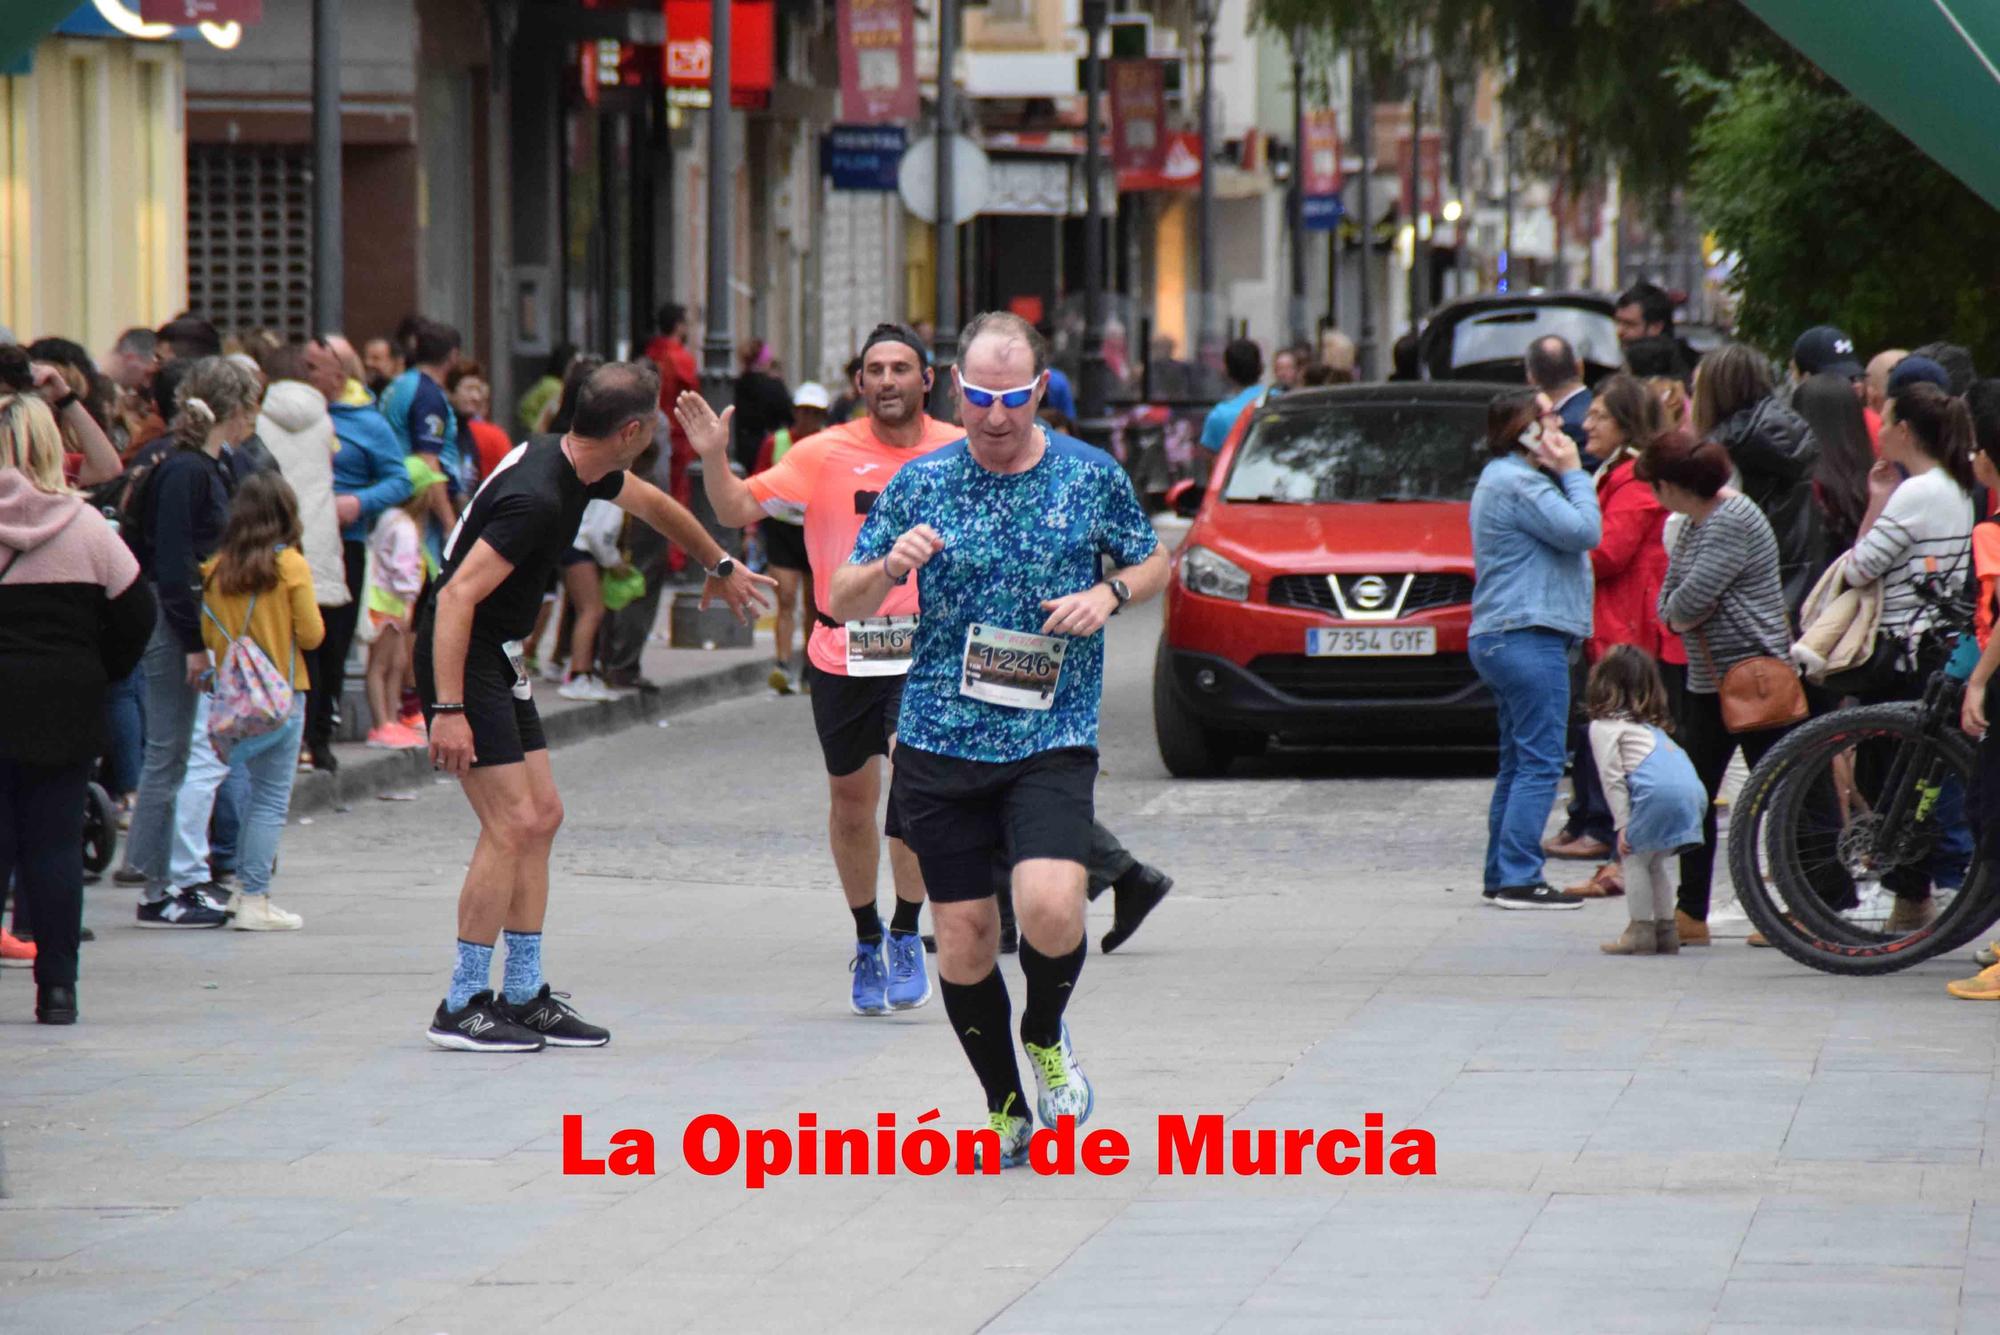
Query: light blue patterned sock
x: 475, y: 968
x: 523, y: 978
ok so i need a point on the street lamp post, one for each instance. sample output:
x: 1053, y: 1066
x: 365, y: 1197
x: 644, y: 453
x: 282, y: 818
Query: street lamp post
x: 944, y: 346
x: 1298, y: 184
x: 329, y: 262
x: 1090, y: 372
x: 718, y: 335
x: 1210, y: 351
x: 1364, y: 133
x: 1416, y: 192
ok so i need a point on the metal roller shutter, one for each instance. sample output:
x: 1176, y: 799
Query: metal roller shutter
x: 249, y: 237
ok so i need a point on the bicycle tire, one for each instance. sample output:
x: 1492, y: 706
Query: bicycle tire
x: 100, y: 829
x: 1811, y: 934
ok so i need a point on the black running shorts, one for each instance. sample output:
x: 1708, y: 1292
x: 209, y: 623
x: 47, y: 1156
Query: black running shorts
x: 957, y: 815
x: 784, y: 545
x: 855, y: 717
x: 504, y: 729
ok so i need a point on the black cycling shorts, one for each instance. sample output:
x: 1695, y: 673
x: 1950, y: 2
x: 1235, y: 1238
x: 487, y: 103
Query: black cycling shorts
x: 855, y: 717
x: 504, y: 729
x: 957, y: 815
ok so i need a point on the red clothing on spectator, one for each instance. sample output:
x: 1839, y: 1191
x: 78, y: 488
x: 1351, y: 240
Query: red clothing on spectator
x: 1874, y: 421
x: 678, y: 373
x: 492, y: 444
x: 1630, y: 565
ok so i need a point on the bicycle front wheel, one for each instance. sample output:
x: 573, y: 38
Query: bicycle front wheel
x: 1849, y: 844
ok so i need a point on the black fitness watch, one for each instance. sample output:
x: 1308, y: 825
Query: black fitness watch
x: 1121, y: 591
x: 723, y: 568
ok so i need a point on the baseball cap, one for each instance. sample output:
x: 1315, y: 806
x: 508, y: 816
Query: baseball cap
x: 1918, y: 371
x: 1824, y: 348
x: 422, y: 476
x: 812, y: 394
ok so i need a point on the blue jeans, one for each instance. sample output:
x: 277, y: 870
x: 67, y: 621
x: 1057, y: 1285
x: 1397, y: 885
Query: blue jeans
x: 1528, y: 673
x: 208, y: 810
x: 125, y: 726
x: 170, y: 704
x: 271, y: 763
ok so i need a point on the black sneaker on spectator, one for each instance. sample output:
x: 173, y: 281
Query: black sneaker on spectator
x: 483, y: 1024
x: 184, y: 909
x: 550, y: 1015
x: 212, y: 893
x: 1542, y: 896
x: 126, y: 876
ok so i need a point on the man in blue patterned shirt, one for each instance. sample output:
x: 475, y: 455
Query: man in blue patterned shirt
x: 997, y: 740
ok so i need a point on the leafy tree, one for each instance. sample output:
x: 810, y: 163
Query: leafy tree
x: 1837, y: 219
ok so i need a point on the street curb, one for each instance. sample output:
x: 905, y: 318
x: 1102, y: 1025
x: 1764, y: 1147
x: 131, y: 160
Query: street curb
x: 315, y: 790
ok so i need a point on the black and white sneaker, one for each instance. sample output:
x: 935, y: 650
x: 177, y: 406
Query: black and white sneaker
x: 550, y: 1015
x: 184, y: 908
x: 213, y: 894
x: 484, y: 1025
x: 1542, y: 896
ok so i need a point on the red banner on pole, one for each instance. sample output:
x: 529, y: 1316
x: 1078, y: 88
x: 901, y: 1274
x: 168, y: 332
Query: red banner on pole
x: 752, y: 48
x: 185, y: 13
x: 1179, y: 169
x: 1430, y: 173
x: 878, y: 62
x: 1322, y: 153
x: 1138, y: 114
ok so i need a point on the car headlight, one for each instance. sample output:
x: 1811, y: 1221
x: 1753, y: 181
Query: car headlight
x: 1202, y: 571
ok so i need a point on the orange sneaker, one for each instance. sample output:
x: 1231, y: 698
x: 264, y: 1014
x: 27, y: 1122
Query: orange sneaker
x: 14, y: 952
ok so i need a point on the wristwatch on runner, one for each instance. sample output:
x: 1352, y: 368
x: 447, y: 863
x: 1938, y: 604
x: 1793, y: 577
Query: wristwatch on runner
x: 723, y: 568
x: 1122, y: 592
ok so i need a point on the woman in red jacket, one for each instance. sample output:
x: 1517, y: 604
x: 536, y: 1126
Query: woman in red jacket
x: 1629, y: 563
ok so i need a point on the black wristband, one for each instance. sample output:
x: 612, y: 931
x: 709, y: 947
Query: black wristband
x: 62, y: 404
x: 442, y: 708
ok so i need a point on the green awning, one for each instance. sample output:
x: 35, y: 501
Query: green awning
x: 23, y: 23
x: 1931, y: 68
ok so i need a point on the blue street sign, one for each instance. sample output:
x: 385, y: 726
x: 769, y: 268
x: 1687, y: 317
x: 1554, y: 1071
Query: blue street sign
x: 1322, y: 212
x: 862, y: 157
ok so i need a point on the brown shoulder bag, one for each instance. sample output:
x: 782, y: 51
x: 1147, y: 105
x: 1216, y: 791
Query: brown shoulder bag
x: 1757, y: 693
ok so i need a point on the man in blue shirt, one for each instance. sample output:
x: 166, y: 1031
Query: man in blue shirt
x: 419, y: 412
x: 997, y: 738
x: 1243, y: 363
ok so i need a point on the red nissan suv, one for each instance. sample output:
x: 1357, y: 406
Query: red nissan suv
x: 1323, y: 594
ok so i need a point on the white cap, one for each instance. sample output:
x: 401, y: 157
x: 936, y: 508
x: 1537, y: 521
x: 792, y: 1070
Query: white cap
x: 812, y: 394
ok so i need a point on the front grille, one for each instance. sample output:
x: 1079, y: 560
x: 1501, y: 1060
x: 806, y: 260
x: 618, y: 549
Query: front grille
x: 1427, y: 591
x: 1432, y: 678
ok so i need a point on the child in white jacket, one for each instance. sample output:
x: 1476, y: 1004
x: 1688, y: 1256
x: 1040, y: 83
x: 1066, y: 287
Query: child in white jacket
x: 1657, y: 800
x: 396, y: 571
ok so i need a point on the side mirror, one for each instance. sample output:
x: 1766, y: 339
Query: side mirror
x: 1184, y: 498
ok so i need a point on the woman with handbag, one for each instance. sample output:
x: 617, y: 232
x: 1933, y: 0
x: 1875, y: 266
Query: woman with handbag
x: 1723, y: 596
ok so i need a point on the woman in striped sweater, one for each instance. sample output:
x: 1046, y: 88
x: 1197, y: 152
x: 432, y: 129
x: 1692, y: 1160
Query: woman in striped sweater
x: 1918, y: 529
x: 1723, y: 595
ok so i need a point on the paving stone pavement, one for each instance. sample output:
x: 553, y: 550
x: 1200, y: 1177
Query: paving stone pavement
x: 248, y: 1132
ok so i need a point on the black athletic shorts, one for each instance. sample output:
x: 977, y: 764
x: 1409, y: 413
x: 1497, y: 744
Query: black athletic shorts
x: 855, y: 717
x: 785, y: 545
x: 574, y: 556
x: 958, y: 814
x: 504, y: 729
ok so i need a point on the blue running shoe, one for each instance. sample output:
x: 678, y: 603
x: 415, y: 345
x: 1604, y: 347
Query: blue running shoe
x: 870, y: 967
x: 1060, y: 1081
x: 909, y: 980
x: 1013, y: 1131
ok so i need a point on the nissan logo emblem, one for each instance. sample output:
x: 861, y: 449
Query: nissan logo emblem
x: 1370, y: 592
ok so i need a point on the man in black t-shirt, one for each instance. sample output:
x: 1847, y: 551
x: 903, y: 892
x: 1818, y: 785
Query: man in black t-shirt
x: 478, y: 699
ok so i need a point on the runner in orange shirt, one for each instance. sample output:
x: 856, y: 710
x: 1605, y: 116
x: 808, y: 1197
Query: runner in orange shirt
x: 830, y: 479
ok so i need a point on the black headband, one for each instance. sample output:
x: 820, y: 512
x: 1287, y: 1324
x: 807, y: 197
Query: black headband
x: 898, y: 333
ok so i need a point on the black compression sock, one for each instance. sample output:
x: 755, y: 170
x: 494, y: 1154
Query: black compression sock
x: 1051, y: 980
x: 904, y: 922
x: 979, y: 1013
x: 867, y: 923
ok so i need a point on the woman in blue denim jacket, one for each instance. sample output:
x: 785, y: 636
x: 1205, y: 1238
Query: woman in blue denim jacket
x: 1534, y: 521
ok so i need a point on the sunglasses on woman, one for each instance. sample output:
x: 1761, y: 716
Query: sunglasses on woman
x: 1009, y: 398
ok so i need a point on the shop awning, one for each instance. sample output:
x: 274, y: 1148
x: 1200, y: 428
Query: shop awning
x: 1931, y: 68
x: 24, y: 23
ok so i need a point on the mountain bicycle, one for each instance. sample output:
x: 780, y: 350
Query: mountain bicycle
x: 1858, y: 805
